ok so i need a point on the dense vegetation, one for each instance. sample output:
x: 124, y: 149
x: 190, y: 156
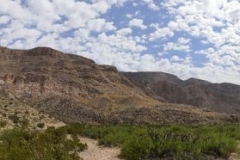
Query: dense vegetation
x: 173, y: 141
x: 136, y: 142
x: 52, y: 144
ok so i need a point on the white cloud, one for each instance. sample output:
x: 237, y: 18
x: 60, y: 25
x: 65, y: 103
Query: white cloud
x: 183, y: 40
x: 14, y: 10
x: 151, y: 4
x: 154, y: 25
x: 215, y: 24
x: 50, y: 39
x: 96, y: 24
x: 161, y: 33
x: 124, y: 31
x: 137, y: 23
x: 63, y: 7
x: 129, y: 16
x: 176, y: 46
x: 109, y: 26
x: 4, y: 19
x: 43, y: 8
x: 82, y: 35
x: 176, y: 58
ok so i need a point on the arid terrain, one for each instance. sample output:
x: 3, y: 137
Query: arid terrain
x: 43, y: 87
x: 15, y: 113
x: 76, y: 89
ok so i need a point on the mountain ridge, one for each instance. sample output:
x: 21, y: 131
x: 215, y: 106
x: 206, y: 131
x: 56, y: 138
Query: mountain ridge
x: 73, y: 88
x: 220, y: 97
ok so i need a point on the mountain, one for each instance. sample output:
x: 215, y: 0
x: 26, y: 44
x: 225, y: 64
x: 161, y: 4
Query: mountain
x: 76, y: 89
x: 222, y: 97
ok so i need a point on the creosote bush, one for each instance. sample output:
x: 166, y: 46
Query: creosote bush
x: 3, y: 124
x: 52, y: 144
x: 136, y: 142
x: 171, y: 142
x: 40, y: 125
x: 14, y: 118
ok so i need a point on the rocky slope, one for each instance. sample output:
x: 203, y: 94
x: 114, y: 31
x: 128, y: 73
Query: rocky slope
x: 15, y: 113
x: 75, y: 89
x: 217, y: 97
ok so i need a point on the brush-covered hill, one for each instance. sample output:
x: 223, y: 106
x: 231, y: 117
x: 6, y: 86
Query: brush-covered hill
x: 224, y: 97
x: 76, y: 89
x: 17, y: 114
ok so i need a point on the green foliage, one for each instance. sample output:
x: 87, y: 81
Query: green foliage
x: 145, y: 142
x: 174, y: 141
x: 3, y: 124
x: 24, y: 123
x: 75, y: 128
x: 19, y: 144
x: 14, y: 118
x: 138, y: 147
x: 40, y: 125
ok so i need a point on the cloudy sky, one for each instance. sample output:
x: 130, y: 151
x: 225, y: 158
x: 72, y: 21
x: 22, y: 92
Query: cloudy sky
x: 188, y: 38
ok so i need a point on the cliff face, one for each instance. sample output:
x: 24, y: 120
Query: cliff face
x: 64, y: 83
x: 217, y: 97
x: 43, y: 70
x: 76, y: 89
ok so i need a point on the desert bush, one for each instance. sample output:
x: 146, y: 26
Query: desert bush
x: 3, y: 124
x: 19, y: 144
x: 40, y: 125
x: 24, y: 123
x: 75, y: 128
x: 174, y: 141
x: 14, y: 118
x: 138, y: 147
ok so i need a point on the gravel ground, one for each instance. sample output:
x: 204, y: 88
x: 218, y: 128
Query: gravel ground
x: 95, y: 152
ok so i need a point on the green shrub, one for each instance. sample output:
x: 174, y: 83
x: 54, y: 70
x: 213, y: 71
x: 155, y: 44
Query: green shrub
x: 3, y: 124
x: 14, y: 118
x: 138, y: 147
x: 18, y: 144
x: 171, y: 141
x: 24, y: 123
x: 74, y: 128
x: 40, y: 125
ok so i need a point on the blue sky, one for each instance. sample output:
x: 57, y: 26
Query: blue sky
x: 187, y: 38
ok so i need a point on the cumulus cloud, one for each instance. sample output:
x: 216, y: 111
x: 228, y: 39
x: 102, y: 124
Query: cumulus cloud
x: 124, y: 31
x: 176, y: 47
x: 151, y: 4
x: 176, y: 58
x: 161, y: 33
x: 4, y: 19
x: 137, y: 23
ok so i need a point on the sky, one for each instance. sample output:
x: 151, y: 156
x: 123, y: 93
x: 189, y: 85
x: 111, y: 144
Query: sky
x: 188, y: 38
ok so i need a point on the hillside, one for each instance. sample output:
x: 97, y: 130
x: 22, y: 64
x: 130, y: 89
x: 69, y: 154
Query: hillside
x: 17, y: 114
x: 223, y: 97
x: 75, y: 89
